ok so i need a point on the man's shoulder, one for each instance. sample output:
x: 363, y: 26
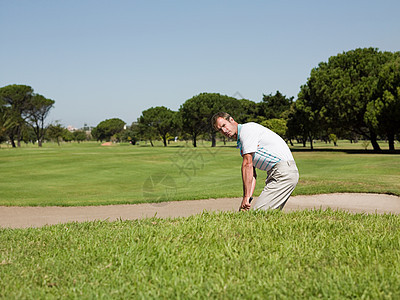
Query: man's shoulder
x: 250, y: 131
x: 251, y: 126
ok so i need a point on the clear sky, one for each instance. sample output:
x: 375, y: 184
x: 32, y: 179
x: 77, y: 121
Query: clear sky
x: 113, y: 59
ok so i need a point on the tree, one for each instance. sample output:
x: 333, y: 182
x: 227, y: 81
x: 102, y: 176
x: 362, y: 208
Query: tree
x: 147, y: 133
x: 6, y: 122
x: 302, y: 121
x: 55, y: 132
x: 339, y: 93
x: 130, y: 134
x: 96, y: 134
x: 67, y: 135
x: 383, y: 113
x: 196, y: 113
x: 3, y: 127
x: 107, y: 128
x: 23, y: 107
x: 79, y: 135
x: 15, y: 105
x: 28, y: 135
x: 351, y: 81
x: 158, y: 119
x: 273, y: 106
x: 38, y: 109
x: 276, y: 125
x: 247, y: 111
x: 135, y: 133
x: 332, y: 137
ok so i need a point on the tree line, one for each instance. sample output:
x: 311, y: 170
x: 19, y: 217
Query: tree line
x: 354, y: 95
x: 193, y: 119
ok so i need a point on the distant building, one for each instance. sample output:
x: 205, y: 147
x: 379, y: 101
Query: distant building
x: 71, y: 128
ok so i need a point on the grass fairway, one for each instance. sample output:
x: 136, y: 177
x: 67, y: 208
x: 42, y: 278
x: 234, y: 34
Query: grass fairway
x: 89, y: 174
x: 252, y: 255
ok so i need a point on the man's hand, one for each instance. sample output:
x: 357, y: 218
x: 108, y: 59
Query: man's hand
x: 245, y: 203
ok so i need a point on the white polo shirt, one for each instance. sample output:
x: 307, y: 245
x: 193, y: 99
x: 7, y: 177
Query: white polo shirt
x: 267, y: 147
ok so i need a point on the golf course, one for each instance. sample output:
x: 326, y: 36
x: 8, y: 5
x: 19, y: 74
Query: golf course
x: 199, y: 150
x: 224, y: 255
x: 90, y: 174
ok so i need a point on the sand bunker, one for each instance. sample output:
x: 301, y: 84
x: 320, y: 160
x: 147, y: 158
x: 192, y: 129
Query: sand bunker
x: 23, y: 217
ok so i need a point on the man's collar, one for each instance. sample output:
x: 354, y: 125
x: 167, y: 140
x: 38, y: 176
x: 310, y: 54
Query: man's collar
x: 238, y: 134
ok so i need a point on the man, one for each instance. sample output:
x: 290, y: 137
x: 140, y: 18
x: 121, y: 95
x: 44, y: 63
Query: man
x: 263, y: 149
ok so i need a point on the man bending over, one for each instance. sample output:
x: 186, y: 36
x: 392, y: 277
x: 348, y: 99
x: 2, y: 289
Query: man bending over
x: 263, y: 149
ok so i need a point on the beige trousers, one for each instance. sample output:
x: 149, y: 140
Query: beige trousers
x: 279, y: 185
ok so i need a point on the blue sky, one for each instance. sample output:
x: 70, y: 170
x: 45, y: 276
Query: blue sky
x: 105, y: 59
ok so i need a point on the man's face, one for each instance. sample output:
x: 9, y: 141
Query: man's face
x: 227, y: 128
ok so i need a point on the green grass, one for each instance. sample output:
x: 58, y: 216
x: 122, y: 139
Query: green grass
x: 89, y: 174
x: 340, y: 172
x: 257, y: 255
x: 252, y: 255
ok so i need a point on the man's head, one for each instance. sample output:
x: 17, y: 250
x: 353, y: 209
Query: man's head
x: 224, y: 123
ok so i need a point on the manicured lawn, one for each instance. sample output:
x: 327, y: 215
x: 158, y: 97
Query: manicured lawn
x: 250, y: 255
x: 328, y: 172
x: 90, y: 174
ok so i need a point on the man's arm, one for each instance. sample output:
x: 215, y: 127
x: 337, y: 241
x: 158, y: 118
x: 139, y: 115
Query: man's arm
x: 253, y: 183
x: 248, y: 179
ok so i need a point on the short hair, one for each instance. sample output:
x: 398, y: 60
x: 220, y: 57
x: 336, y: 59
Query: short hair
x: 220, y: 114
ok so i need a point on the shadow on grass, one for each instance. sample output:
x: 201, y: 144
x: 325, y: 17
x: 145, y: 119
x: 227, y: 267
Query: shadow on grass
x: 348, y: 151
x: 297, y: 149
